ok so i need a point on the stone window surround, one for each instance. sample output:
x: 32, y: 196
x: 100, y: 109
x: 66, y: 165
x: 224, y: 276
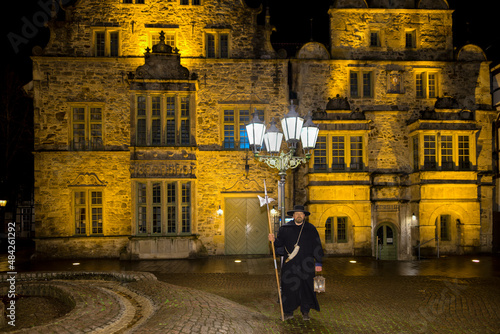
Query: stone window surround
x: 415, y: 38
x: 377, y: 33
x: 331, y: 225
x: 426, y: 72
x: 149, y: 206
x: 347, y: 150
x: 87, y: 190
x: 360, y: 83
x: 108, y: 30
x: 217, y: 32
x: 237, y: 107
x: 87, y: 106
x: 178, y: 118
x: 455, y: 148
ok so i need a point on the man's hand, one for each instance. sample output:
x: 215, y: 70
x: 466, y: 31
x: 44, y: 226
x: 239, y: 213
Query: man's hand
x: 319, y: 268
x: 271, y: 237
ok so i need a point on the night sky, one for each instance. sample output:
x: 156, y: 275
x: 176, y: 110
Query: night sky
x: 474, y: 22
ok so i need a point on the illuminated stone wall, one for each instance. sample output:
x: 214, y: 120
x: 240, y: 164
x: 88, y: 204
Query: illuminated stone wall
x: 66, y: 75
x: 386, y: 192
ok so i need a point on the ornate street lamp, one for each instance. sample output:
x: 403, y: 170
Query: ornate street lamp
x: 294, y: 130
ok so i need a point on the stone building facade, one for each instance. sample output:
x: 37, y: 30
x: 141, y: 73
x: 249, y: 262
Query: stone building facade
x: 140, y: 109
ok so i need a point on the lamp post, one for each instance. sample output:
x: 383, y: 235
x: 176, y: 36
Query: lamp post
x: 294, y: 130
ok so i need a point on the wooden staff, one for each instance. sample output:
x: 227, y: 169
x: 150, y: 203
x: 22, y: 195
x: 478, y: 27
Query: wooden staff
x: 274, y: 252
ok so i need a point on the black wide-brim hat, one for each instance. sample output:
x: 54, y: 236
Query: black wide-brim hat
x: 298, y: 208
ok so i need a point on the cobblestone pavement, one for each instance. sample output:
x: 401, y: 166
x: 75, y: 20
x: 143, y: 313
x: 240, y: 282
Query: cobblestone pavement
x: 219, y: 295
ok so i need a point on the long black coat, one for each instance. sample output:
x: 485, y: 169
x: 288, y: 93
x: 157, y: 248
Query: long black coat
x: 297, y: 275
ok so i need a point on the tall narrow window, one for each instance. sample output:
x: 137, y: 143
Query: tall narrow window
x: 96, y: 207
x: 186, y: 207
x: 341, y: 229
x: 367, y: 84
x: 95, y: 128
x: 171, y: 208
x: 329, y: 231
x: 210, y: 45
x: 156, y: 120
x: 229, y: 129
x: 185, y: 123
x: 320, y: 162
x: 141, y: 208
x: 80, y: 213
x: 87, y: 128
x: 79, y: 137
x: 100, y: 44
x: 447, y: 152
x: 354, y: 84
x: 463, y: 152
x: 444, y: 227
x: 374, y: 38
x: 420, y: 87
x: 244, y: 119
x: 170, y: 120
x: 356, y: 153
x: 430, y: 152
x: 157, y: 208
x: 416, y: 161
x: 113, y: 44
x: 410, y: 39
x: 224, y: 45
x: 141, y: 120
x: 338, y: 153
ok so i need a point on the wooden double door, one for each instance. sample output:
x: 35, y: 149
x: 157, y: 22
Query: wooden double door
x: 246, y: 226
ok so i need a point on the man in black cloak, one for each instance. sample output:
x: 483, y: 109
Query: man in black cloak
x: 300, y: 244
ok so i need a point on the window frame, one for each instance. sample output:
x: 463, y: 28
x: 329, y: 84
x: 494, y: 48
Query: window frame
x: 88, y: 206
x: 217, y: 52
x: 107, y: 31
x: 348, y: 152
x: 183, y: 113
x: 378, y: 38
x: 238, y: 124
x: 332, y: 230
x: 360, y: 84
x: 457, y: 163
x: 155, y: 32
x: 183, y: 211
x: 413, y: 38
x: 87, y: 122
x: 423, y: 84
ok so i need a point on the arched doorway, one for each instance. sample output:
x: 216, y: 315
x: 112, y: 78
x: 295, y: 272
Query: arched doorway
x: 387, y: 247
